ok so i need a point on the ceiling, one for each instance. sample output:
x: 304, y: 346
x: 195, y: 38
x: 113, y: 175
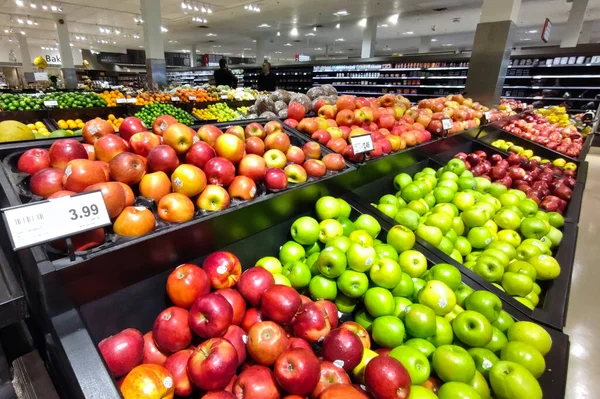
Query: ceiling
x: 232, y: 30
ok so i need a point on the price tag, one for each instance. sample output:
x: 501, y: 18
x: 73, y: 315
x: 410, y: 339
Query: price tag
x: 487, y: 115
x: 174, y: 99
x: 446, y: 124
x: 131, y: 100
x: 192, y: 98
x: 50, y: 103
x: 121, y: 100
x: 224, y: 97
x: 44, y: 221
x: 362, y: 143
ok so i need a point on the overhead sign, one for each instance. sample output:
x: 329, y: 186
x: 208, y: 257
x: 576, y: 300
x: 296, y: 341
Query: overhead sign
x: 546, y: 30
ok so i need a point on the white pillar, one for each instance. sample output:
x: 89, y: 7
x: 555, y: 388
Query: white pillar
x: 425, y: 44
x: 494, y: 11
x: 25, y: 55
x: 586, y: 33
x: 260, y: 50
x: 369, y: 38
x: 153, y: 43
x: 573, y: 27
x: 193, y: 55
x: 64, y: 47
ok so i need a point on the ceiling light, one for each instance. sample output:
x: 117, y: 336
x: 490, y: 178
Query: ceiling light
x: 310, y: 34
x: 341, y: 13
x: 525, y: 39
x: 393, y: 18
x: 196, y: 8
x: 409, y: 33
x: 532, y: 31
x: 211, y: 34
x: 294, y: 32
x: 314, y: 29
x: 247, y: 49
x: 208, y: 10
x: 337, y: 26
x: 33, y: 5
x: 20, y: 3
x: 447, y: 44
x: 217, y: 46
x: 383, y: 26
x: 117, y: 31
x: 264, y: 26
x: 136, y: 36
x: 278, y: 33
x: 341, y: 39
x: 53, y: 7
x: 288, y: 45
x: 29, y: 22
x: 163, y: 29
x: 434, y: 40
x: 44, y: 7
x: 183, y: 5
x: 339, y: 52
x: 318, y: 49
x: 6, y: 30
x: 362, y: 22
x: 23, y: 33
x: 278, y: 52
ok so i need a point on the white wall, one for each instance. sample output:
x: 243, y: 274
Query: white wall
x: 51, y: 57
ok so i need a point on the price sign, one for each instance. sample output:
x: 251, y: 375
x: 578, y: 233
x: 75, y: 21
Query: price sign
x: 40, y: 76
x: 50, y: 103
x: 131, y: 100
x: 121, y: 100
x: 44, y: 221
x: 224, y: 97
x: 446, y: 124
x: 192, y: 98
x: 487, y: 115
x: 174, y: 99
x: 362, y: 143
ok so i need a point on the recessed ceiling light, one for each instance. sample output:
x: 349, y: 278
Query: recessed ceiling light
x: 393, y: 18
x: 288, y: 45
x: 247, y: 49
x: 294, y: 32
x: 278, y: 33
x: 278, y: 52
x: 33, y: 5
x: 434, y: 40
x: 532, y: 31
x: 525, y: 39
x: 264, y: 26
x: 383, y: 26
x: 337, y: 26
x: 341, y: 39
x: 20, y: 3
x: 163, y: 29
x: 362, y: 22
x: 409, y: 33
x: 310, y: 34
x: 447, y: 44
x: 211, y: 34
x: 341, y: 13
x: 339, y: 52
x: 318, y: 49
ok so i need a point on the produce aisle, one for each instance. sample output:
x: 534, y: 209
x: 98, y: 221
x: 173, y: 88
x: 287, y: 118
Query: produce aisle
x: 583, y: 324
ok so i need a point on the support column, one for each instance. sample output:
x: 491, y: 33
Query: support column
x: 193, y: 55
x: 425, y: 44
x: 573, y: 27
x: 369, y: 38
x: 260, y: 51
x: 327, y: 51
x: 492, y: 46
x: 586, y: 33
x: 66, y: 55
x: 156, y: 69
x: 25, y: 55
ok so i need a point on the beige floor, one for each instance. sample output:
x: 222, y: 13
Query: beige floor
x: 583, y: 319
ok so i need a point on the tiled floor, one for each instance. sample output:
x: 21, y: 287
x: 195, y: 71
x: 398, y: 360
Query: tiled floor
x: 583, y: 318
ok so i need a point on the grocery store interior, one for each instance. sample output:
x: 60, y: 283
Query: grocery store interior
x: 264, y: 199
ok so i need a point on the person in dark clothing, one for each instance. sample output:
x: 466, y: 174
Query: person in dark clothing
x: 267, y: 80
x: 223, y: 76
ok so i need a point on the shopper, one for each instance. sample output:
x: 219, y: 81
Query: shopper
x: 267, y: 80
x: 224, y: 76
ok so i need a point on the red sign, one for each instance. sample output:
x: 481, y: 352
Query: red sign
x: 546, y: 30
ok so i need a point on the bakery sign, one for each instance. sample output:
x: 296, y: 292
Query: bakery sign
x: 52, y: 58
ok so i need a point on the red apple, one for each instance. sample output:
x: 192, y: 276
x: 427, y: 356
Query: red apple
x: 161, y: 124
x: 171, y: 330
x: 210, y: 315
x: 275, y: 179
x: 266, y: 341
x: 322, y: 136
x: 386, y: 378
x: 330, y: 374
x: 95, y: 129
x: 107, y: 147
x: 311, y: 323
x: 280, y: 304
x: 291, y: 122
x: 315, y: 168
x: 345, y: 117
x: 113, y: 196
x: 237, y: 303
x: 64, y: 150
x: 296, y: 111
x: 213, y: 198
x: 330, y: 311
x: 223, y: 269
x: 212, y: 364
x: 273, y: 127
x: 308, y: 125
x: 295, y: 174
x: 177, y: 366
x: 237, y: 131
x: 130, y: 126
x: 346, y: 102
x: 186, y: 283
x: 229, y: 147
x: 295, y: 154
x: 344, y: 347
x: 122, y: 351
x: 142, y: 143
x: 299, y: 343
x: 255, y: 130
x: 253, y: 166
x: 47, y: 182
x: 297, y: 371
x: 219, y: 171
x: 256, y: 382
x: 242, y: 187
x: 162, y: 158
x: 278, y: 141
x: 252, y: 317
x: 255, y: 145
x: 127, y: 168
x: 152, y: 355
x: 327, y: 111
x: 238, y: 338
x: 33, y: 160
x: 81, y: 173
x: 253, y: 283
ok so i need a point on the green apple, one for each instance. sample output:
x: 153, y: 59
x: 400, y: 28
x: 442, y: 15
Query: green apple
x: 525, y: 355
x: 496, y: 253
x: 388, y: 331
x: 418, y: 206
x: 482, y: 184
x: 497, y: 190
x: 479, y: 384
x: 510, y: 198
x: 466, y: 183
x: 443, y: 194
x: 321, y: 287
x: 388, y: 210
x: 486, y: 303
x: 454, y: 389
x: 388, y: 199
x: 473, y: 256
x: 507, y: 219
x: 538, y: 243
x: 402, y: 180
x: 536, y: 289
x: 311, y: 249
x: 332, y: 262
x: 505, y: 247
x: 401, y: 238
x: 386, y: 251
x: 542, y: 215
x: 503, y: 322
x: 492, y: 227
x: 291, y: 251
x: 554, y: 236
x: 455, y: 165
x: 443, y: 332
x: 424, y: 187
x: 437, y: 296
x: 490, y: 268
x: 532, y: 227
x: 556, y: 219
x: 528, y: 206
x: 280, y: 279
x: 510, y: 237
x: 353, y: 284
x: 445, y: 246
x: 514, y: 208
x: 311, y: 262
x: 363, y: 318
x: 386, y: 273
x: 448, y: 274
x: 414, y: 362
x: 405, y: 287
x: 470, y: 265
x: 431, y: 234
x: 429, y: 199
x: 411, y: 192
x: 447, y: 175
x: 400, y: 306
x: 429, y: 171
x: 456, y: 256
x: 546, y: 267
x: 360, y: 258
x: 359, y: 371
x: 271, y: 264
x: 463, y: 246
x: 422, y: 345
x: 451, y: 184
x: 369, y: 224
x: 305, y: 230
x: 532, y: 334
x: 361, y: 237
x: 452, y: 236
x: 455, y: 312
x: 497, y: 342
x: 345, y: 304
x: 440, y: 220
x: 379, y: 302
x: 348, y: 226
x: 525, y: 302
x: 490, y: 199
x: 327, y: 208
x: 472, y: 328
x: 453, y: 363
x: 413, y: 263
x: 341, y: 242
x: 516, y: 284
x: 463, y: 200
x: 420, y: 321
x: 345, y: 208
x: 512, y: 381
x: 479, y: 237
x: 533, y: 298
x: 298, y: 274
x: 418, y: 283
x: 476, y: 194
x: 527, y: 251
x: 462, y: 292
x: 484, y: 360
x: 420, y: 392
x: 408, y: 218
x: 329, y: 229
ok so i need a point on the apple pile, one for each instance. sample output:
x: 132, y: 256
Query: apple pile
x: 549, y: 185
x: 498, y: 233
x: 536, y: 127
x: 409, y: 312
x: 182, y: 171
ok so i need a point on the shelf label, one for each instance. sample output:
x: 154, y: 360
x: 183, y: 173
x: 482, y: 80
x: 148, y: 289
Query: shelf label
x: 50, y: 103
x: 40, y: 76
x: 487, y: 115
x: 362, y: 143
x: 121, y: 100
x: 224, y: 97
x: 131, y: 100
x: 446, y: 124
x: 192, y: 98
x: 174, y: 99
x: 48, y: 220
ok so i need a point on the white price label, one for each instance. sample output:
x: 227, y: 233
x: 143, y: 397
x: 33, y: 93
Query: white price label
x: 192, y: 98
x: 362, y: 143
x: 48, y: 220
x: 487, y: 115
x: 121, y: 100
x: 446, y: 124
x: 131, y: 100
x: 224, y: 97
x: 174, y: 98
x: 40, y: 76
x: 50, y: 103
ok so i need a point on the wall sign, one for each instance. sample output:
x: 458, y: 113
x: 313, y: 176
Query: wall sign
x: 546, y: 30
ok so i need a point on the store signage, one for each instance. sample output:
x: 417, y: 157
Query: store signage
x: 174, y: 99
x: 50, y: 103
x: 121, y: 100
x: 40, y: 76
x: 192, y: 98
x: 362, y: 143
x: 546, y: 31
x: 131, y: 100
x: 44, y: 221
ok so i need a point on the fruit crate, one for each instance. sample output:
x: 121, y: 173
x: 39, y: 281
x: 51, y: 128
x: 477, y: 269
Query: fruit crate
x: 573, y: 209
x: 137, y: 306
x: 552, y: 308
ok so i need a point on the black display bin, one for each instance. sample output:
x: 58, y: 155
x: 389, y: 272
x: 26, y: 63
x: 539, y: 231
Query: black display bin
x: 463, y: 144
x: 13, y: 305
x: 555, y: 294
x: 77, y: 332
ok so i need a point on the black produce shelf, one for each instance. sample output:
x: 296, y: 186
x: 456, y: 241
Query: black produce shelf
x: 136, y: 306
x: 13, y: 305
x: 554, y: 297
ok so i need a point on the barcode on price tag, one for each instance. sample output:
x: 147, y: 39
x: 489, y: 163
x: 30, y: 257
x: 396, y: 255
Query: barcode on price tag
x: 48, y: 220
x: 50, y: 103
x: 446, y: 124
x: 121, y: 100
x: 362, y: 143
x: 174, y: 98
x: 192, y: 98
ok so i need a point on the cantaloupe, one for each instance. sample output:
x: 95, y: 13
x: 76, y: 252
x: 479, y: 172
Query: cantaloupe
x: 15, y: 131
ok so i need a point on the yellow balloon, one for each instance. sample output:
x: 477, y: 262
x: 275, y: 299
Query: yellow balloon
x: 40, y: 62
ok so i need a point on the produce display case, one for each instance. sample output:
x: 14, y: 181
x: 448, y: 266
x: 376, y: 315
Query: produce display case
x: 13, y: 305
x: 77, y: 332
x: 553, y: 304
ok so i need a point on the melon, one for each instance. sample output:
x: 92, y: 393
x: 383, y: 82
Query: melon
x: 15, y: 131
